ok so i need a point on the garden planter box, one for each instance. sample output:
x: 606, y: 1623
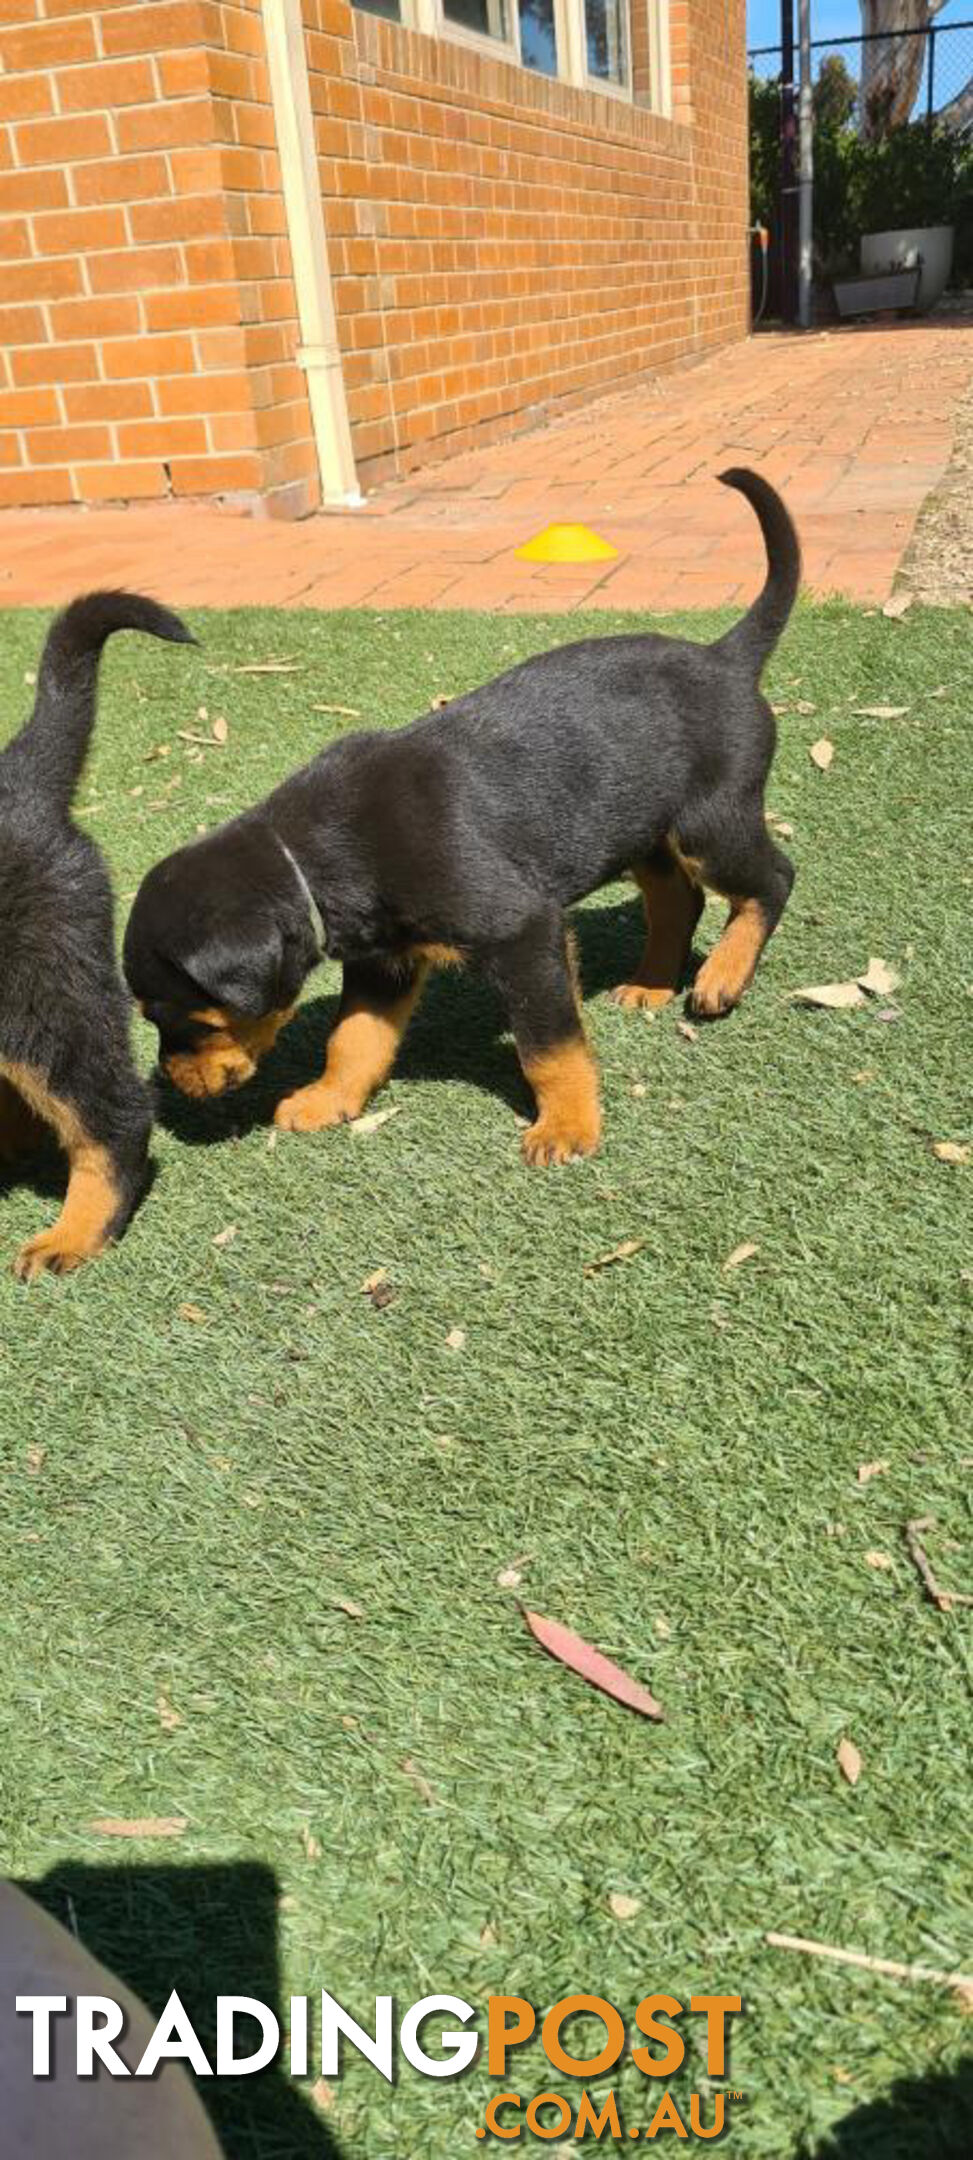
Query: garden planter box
x: 875, y: 295
x: 928, y: 248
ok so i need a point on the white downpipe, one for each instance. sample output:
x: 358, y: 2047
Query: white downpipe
x: 319, y: 354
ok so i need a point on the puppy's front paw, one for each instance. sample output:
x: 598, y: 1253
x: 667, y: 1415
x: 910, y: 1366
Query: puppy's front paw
x: 711, y: 995
x: 547, y: 1141
x: 49, y: 1252
x: 312, y: 1109
x: 643, y: 997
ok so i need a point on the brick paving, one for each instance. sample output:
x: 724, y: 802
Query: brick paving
x: 855, y: 426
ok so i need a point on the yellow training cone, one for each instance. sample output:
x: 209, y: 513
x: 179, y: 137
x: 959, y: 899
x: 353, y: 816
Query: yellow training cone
x: 566, y: 543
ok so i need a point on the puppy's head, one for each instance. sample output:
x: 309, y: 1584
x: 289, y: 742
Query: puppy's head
x: 216, y: 949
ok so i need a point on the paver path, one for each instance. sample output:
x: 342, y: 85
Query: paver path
x: 856, y: 426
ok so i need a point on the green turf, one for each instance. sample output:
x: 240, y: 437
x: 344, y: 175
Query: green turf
x: 669, y: 1450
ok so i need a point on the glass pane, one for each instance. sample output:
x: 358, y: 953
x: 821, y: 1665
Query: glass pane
x: 605, y: 26
x: 487, y: 17
x: 391, y: 9
x: 538, y: 36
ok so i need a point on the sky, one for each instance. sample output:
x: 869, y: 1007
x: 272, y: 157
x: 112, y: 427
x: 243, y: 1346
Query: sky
x: 829, y: 18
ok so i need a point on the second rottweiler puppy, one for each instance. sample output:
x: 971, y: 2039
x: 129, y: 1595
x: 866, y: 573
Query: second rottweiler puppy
x: 463, y: 838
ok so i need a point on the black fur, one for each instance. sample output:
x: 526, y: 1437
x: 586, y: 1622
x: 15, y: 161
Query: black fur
x: 64, y: 1013
x: 479, y: 824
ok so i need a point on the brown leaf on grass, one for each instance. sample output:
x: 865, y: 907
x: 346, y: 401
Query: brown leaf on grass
x: 686, y: 1029
x: 436, y: 704
x: 899, y: 604
x: 269, y: 667
x: 456, y: 1339
x: 34, y: 1459
x: 624, y: 1908
x: 378, y: 1289
x: 139, y: 1826
x: 225, y: 1237
x: 509, y: 1578
x: 831, y: 997
x: 868, y: 1470
x: 415, y: 1777
x: 849, y: 1761
x: 821, y: 753
x: 221, y: 730
x: 879, y: 979
x: 322, y: 2096
x: 194, y: 1313
x: 581, y: 1657
x: 878, y: 1559
x: 805, y: 706
x: 162, y: 750
x: 347, y: 1605
x: 625, y: 1251
x: 488, y: 1937
x: 311, y: 1844
x: 739, y: 1254
x: 881, y: 712
x: 780, y: 825
x: 342, y: 712
x: 169, y: 1718
x: 952, y: 1151
x: 372, y: 1121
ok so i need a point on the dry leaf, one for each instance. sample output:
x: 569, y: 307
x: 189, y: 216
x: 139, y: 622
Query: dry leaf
x: 821, y: 753
x: 437, y: 703
x: 849, y: 1761
x: 881, y: 712
x: 322, y: 2096
x: 415, y: 1777
x: 344, y: 712
x: 378, y: 1289
x: 509, y: 1578
x: 34, y: 1459
x: 456, y: 1339
x: 868, y: 1470
x: 221, y: 732
x: 625, y: 1251
x: 225, y: 1237
x: 624, y: 1908
x: 372, y: 1121
x: 833, y: 997
x: 804, y: 705
x: 311, y: 1844
x: 898, y: 605
x: 194, y: 1313
x: 780, y: 825
x: 347, y: 1605
x: 879, y: 978
x: 686, y: 1029
x: 878, y: 1559
x: 561, y: 1642
x: 269, y: 667
x: 739, y: 1254
x: 951, y: 1151
x: 139, y: 1826
x: 488, y: 1937
x: 963, y: 1994
x: 168, y: 1718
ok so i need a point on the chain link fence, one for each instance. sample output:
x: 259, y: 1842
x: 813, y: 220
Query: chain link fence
x: 935, y: 67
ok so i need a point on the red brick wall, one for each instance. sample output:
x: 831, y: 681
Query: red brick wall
x: 500, y: 244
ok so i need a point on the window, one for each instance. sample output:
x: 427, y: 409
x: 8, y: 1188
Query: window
x: 390, y: 9
x: 606, y: 40
x: 538, y: 36
x: 585, y: 42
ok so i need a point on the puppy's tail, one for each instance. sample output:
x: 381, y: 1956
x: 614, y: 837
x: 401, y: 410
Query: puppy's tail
x: 752, y: 640
x: 56, y: 736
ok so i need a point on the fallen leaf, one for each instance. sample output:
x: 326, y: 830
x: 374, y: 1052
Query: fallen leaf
x: 821, y: 753
x: 780, y: 825
x: 456, y: 1339
x: 373, y: 1120
x: 739, y: 1254
x: 271, y: 1141
x: 639, y: 1089
x: 509, y: 1578
x: 662, y: 1628
x: 963, y: 1994
x: 625, y: 1251
x: 344, y: 712
x: 951, y: 1151
x: 311, y: 1844
x: 849, y: 1761
x: 561, y: 1642
x: 878, y: 1559
x: 804, y: 705
x: 221, y: 731
x: 624, y: 1908
x: 269, y: 667
x: 169, y: 1718
x: 322, y: 2096
x: 225, y: 1237
x: 833, y: 997
x: 879, y: 979
x: 347, y: 1605
x: 139, y: 1826
x: 194, y: 1313
x: 488, y: 1937
x: 162, y: 750
x: 881, y: 712
x: 415, y: 1777
x: 437, y: 703
x: 899, y: 604
x: 686, y: 1029
x: 868, y: 1470
x: 35, y: 1459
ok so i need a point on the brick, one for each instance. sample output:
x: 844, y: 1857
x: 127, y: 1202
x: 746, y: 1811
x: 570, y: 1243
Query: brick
x: 167, y: 438
x: 127, y: 180
x: 164, y: 355
x: 134, y: 269
x: 166, y: 23
x: 106, y: 86
x: 169, y: 125
x: 190, y: 307
x: 25, y: 97
x: 47, y: 45
x: 55, y: 364
x: 28, y: 408
x: 84, y: 231
x: 62, y: 142
x: 57, y: 445
x: 197, y: 171
x: 108, y: 401
x: 14, y: 239
x: 183, y: 74
x: 103, y: 318
x: 117, y: 482
x: 31, y: 490
x: 204, y: 394
x: 216, y: 475
x: 190, y: 217
x: 32, y: 191
x: 50, y: 278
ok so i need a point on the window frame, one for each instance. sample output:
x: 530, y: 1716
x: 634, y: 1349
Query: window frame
x: 429, y: 17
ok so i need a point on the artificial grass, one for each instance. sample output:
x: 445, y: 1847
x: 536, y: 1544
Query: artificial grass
x: 208, y: 1445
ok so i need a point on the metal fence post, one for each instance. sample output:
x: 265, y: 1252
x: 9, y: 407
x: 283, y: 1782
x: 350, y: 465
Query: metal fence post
x: 930, y: 87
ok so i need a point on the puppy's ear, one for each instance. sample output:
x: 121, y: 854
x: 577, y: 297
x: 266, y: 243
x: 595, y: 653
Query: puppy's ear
x: 263, y: 977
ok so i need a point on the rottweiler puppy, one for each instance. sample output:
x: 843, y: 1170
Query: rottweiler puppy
x: 66, y: 1069
x: 462, y: 839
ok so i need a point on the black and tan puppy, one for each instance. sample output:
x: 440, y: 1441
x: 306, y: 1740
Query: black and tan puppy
x: 66, y: 1067
x: 463, y: 838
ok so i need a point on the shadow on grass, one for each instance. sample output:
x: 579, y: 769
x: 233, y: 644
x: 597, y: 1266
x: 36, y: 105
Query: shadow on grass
x: 205, y: 1931
x: 459, y: 1032
x: 923, y: 2118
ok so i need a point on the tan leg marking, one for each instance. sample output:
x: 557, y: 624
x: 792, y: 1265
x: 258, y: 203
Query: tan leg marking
x: 228, y: 1058
x: 723, y: 978
x: 565, y: 1084
x: 361, y: 1053
x: 673, y: 905
x: 92, y: 1199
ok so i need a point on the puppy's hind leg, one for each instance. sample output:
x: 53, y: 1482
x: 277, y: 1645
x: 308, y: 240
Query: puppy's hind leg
x: 106, y: 1175
x: 673, y: 905
x: 535, y: 975
x: 756, y: 878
